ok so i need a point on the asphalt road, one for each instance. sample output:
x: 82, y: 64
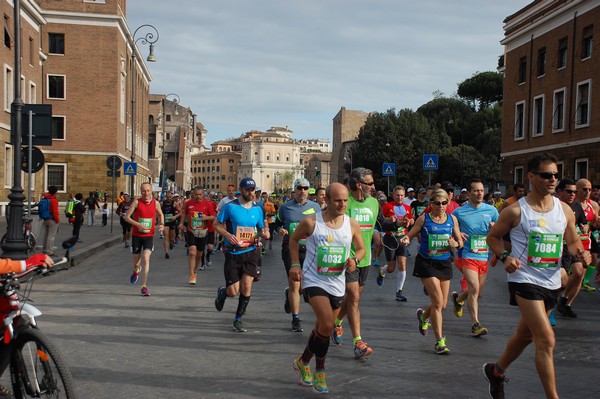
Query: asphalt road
x: 174, y: 344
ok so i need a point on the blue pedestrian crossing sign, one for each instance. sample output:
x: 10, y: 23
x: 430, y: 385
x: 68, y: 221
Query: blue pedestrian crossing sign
x: 389, y: 169
x: 430, y: 162
x: 130, y: 168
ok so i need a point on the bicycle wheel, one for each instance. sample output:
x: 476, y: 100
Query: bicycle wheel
x: 30, y: 241
x: 37, y: 367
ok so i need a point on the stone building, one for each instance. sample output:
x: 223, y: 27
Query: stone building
x: 215, y: 170
x: 346, y: 126
x: 318, y: 169
x: 550, y: 64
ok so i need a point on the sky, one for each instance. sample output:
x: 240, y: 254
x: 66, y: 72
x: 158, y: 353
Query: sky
x: 244, y: 65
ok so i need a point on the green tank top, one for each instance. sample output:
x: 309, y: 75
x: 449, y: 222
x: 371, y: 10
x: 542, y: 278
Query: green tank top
x: 365, y: 213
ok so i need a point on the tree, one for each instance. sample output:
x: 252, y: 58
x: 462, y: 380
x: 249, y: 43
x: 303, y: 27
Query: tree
x: 447, y: 114
x: 287, y: 180
x: 402, y: 138
x: 483, y: 89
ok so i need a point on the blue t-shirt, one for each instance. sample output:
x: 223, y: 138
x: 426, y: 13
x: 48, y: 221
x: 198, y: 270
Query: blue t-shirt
x: 475, y: 222
x: 243, y: 223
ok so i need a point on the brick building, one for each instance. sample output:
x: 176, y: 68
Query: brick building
x: 346, y: 126
x: 550, y: 65
x: 214, y: 171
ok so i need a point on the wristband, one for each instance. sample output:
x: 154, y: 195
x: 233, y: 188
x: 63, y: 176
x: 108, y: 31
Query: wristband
x: 295, y: 265
x: 356, y: 260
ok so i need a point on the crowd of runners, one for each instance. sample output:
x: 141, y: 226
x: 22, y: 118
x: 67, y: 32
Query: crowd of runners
x: 546, y: 238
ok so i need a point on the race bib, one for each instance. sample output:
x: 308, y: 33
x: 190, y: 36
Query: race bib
x: 293, y: 227
x: 478, y: 244
x: 586, y: 241
x: 245, y: 234
x: 146, y: 222
x: 330, y: 260
x: 543, y: 249
x: 197, y: 223
x: 438, y: 245
x: 364, y: 217
x: 168, y: 216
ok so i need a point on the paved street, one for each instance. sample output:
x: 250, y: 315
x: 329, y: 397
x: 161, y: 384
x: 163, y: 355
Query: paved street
x: 174, y: 344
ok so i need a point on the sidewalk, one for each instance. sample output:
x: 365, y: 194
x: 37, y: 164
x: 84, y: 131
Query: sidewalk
x: 94, y: 238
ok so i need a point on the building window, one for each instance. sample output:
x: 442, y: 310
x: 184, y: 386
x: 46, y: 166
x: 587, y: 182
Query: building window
x: 31, y: 51
x: 9, y: 91
x: 168, y: 137
x: 168, y: 118
x: 518, y: 175
x: 58, y: 128
x: 538, y: 116
x: 56, y: 43
x: 56, y: 87
x: 562, y: 53
x: 7, y: 37
x: 520, y: 120
x: 32, y: 93
x: 582, y: 114
x: 277, y: 158
x: 522, y: 70
x: 541, y: 62
x: 56, y: 175
x: 581, y: 168
x: 287, y: 157
x: 558, y: 111
x: 268, y: 156
x: 586, y: 42
x: 231, y: 168
x: 560, y: 167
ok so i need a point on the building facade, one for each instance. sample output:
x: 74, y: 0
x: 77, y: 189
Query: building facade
x: 551, y: 62
x: 214, y: 171
x: 318, y: 170
x: 346, y: 126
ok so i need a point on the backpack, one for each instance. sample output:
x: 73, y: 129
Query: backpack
x: 44, y: 209
x: 69, y: 209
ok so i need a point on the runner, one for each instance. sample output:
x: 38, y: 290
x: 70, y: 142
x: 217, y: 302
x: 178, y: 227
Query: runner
x: 537, y: 224
x: 363, y: 208
x: 320, y: 197
x: 329, y: 236
x: 439, y: 233
x: 238, y: 222
x: 197, y: 212
x: 592, y: 212
x: 399, y: 213
x: 566, y: 191
x: 210, y: 237
x: 288, y: 217
x: 122, y: 211
x: 172, y: 214
x: 475, y: 219
x: 142, y: 217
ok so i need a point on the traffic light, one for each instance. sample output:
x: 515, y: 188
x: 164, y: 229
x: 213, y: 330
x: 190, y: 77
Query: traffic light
x: 318, y: 174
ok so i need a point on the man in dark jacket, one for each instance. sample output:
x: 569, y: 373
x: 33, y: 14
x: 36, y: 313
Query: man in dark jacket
x: 50, y: 226
x: 77, y: 218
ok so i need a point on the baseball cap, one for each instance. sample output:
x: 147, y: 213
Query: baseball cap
x: 497, y: 192
x: 446, y: 185
x: 382, y: 197
x: 127, y: 194
x: 410, y: 190
x: 464, y: 190
x: 422, y: 191
x: 301, y: 182
x: 175, y: 195
x: 312, y: 191
x: 247, y: 182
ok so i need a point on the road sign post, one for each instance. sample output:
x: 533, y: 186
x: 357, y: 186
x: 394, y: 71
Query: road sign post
x: 430, y: 162
x: 388, y: 169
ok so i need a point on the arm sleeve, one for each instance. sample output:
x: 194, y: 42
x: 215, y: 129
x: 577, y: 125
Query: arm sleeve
x: 11, y: 266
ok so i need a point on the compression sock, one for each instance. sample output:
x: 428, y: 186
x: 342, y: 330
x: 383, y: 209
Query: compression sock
x: 400, y: 279
x: 319, y: 345
x: 338, y: 322
x: 242, y: 304
x: 591, y: 269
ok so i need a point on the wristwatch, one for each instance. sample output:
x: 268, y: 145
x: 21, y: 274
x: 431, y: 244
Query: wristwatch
x: 503, y: 255
x: 356, y: 260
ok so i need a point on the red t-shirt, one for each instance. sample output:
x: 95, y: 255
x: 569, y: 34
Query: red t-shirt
x: 398, y: 210
x: 195, y: 209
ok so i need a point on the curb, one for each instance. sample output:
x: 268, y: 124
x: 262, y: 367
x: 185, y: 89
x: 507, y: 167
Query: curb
x: 79, y: 255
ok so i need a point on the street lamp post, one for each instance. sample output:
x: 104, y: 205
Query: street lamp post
x: 150, y: 38
x: 164, y: 170
x: 348, y: 156
x: 15, y: 247
x: 387, y: 145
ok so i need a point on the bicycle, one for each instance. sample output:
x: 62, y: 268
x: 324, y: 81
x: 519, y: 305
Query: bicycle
x: 28, y: 235
x: 37, y: 366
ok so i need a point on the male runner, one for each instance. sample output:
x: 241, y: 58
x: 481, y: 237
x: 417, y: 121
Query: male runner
x: 240, y: 222
x: 172, y: 214
x: 288, y: 217
x: 592, y: 214
x: 537, y: 225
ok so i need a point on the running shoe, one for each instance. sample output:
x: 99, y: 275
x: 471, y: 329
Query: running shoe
x: 296, y: 325
x: 458, y: 305
x: 238, y: 326
x: 144, y: 291
x: 400, y: 297
x: 477, y: 330
x: 193, y: 279
x: 286, y: 304
x: 302, y: 370
x: 134, y: 277
x: 361, y: 349
x: 319, y: 383
x: 495, y: 380
x: 440, y: 347
x: 167, y: 255
x: 423, y: 324
x: 202, y: 267
x: 220, y: 299
x: 208, y: 262
x: 569, y: 312
x: 337, y: 335
x: 552, y: 318
x: 380, y: 277
x: 376, y: 263
x: 170, y: 245
x: 588, y: 288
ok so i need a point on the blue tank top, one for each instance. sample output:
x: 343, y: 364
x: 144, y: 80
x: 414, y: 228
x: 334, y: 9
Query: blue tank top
x: 434, y: 238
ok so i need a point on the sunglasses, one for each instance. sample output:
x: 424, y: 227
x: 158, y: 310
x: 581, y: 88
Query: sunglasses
x: 439, y: 203
x: 586, y: 189
x: 368, y: 184
x: 547, y: 175
x: 571, y: 192
x: 302, y: 188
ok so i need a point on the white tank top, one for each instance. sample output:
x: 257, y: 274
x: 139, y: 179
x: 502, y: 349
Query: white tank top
x: 537, y: 243
x: 326, y: 253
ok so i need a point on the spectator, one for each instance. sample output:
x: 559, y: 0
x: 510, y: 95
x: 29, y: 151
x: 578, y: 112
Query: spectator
x: 50, y: 225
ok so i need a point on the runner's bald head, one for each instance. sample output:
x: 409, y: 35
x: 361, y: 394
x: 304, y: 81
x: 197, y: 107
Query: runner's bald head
x: 335, y: 189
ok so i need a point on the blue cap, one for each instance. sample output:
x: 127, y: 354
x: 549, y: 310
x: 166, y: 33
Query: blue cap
x: 247, y: 182
x: 301, y: 182
x: 237, y: 193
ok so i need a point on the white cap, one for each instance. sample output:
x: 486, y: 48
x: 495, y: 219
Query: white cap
x: 410, y: 190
